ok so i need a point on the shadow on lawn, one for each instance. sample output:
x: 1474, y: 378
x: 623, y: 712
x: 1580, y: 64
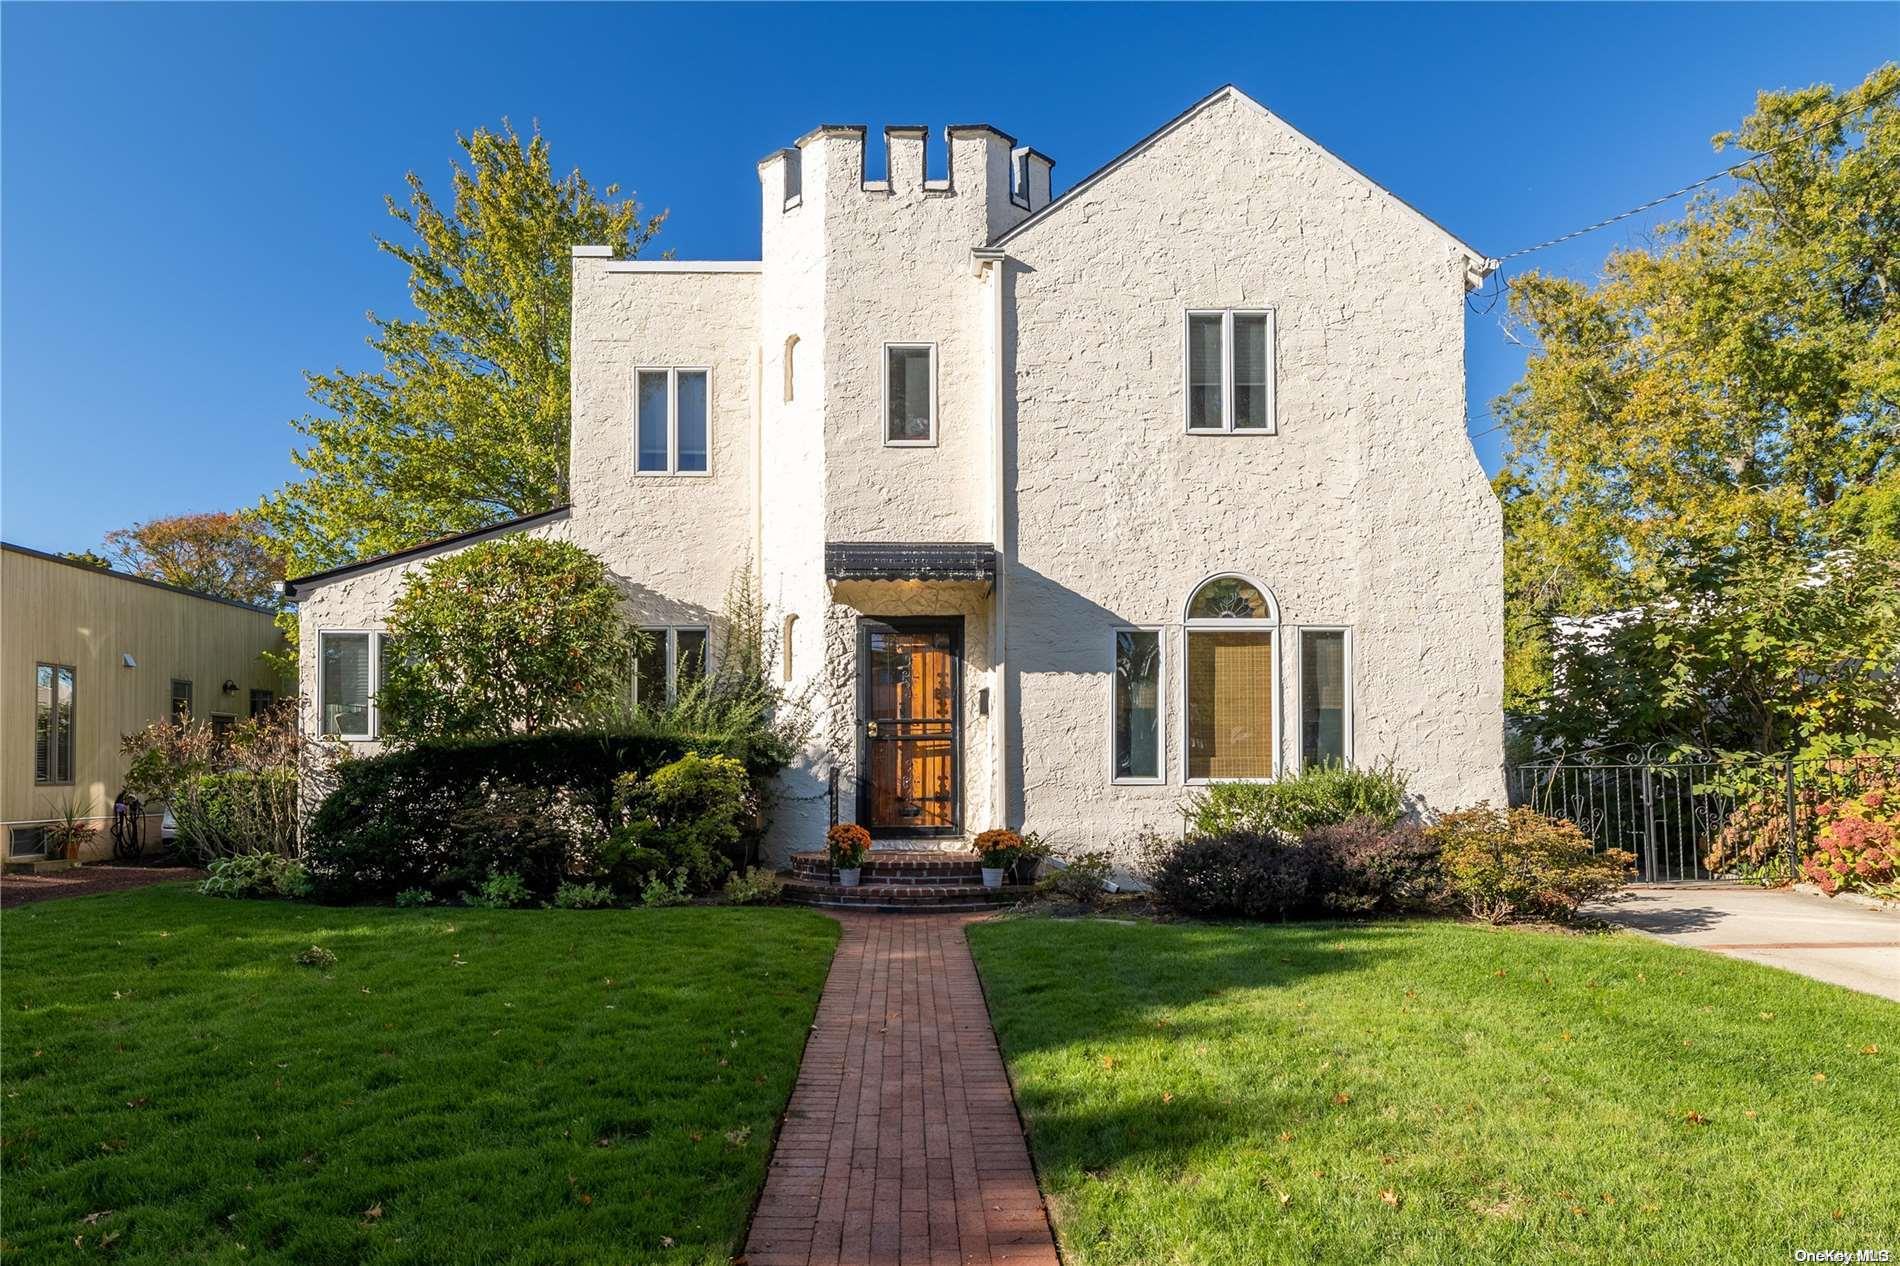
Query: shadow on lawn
x: 1147, y: 982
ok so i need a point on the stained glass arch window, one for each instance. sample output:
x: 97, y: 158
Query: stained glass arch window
x: 1232, y: 598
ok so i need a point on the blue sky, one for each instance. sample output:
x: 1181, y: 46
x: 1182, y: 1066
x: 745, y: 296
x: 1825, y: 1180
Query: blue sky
x: 188, y: 193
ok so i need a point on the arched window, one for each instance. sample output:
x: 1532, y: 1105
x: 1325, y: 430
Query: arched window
x: 791, y: 342
x: 785, y: 640
x: 1232, y: 683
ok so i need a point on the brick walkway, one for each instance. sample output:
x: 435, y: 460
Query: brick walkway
x: 901, y: 1144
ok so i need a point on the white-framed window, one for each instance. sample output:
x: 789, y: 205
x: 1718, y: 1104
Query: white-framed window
x: 671, y: 656
x: 349, y: 677
x: 1325, y: 696
x: 910, y: 394
x: 672, y: 421
x: 1231, y: 684
x: 1137, y: 713
x: 1228, y: 371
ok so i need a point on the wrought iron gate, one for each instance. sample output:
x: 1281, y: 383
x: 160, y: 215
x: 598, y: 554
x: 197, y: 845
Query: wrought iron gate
x: 1676, y: 815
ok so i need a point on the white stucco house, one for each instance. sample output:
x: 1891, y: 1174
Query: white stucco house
x: 1066, y: 505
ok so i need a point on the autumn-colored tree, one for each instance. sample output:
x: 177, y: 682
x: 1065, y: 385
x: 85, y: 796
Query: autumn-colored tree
x: 1706, y: 445
x: 466, y: 422
x: 217, y: 553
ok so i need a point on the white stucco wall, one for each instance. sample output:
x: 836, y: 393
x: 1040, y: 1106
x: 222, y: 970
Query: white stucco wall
x: 1367, y: 508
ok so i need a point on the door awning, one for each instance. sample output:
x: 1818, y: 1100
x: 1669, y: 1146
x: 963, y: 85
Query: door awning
x: 952, y: 561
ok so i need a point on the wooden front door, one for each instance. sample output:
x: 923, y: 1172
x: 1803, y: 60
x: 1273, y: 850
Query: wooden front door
x: 910, y: 722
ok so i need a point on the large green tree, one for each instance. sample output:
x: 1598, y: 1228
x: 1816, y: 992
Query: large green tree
x: 1707, y: 440
x: 466, y: 423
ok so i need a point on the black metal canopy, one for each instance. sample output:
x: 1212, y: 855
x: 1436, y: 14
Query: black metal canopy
x: 969, y: 562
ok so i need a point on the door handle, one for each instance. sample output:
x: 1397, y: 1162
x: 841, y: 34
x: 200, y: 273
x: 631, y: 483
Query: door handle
x: 870, y: 728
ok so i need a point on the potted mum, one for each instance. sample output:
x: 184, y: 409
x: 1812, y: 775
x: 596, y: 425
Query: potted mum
x: 845, y: 844
x: 998, y: 851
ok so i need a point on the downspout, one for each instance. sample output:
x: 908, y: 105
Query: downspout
x: 990, y: 262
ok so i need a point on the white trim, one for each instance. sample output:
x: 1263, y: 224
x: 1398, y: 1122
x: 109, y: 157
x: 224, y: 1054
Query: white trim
x: 685, y: 266
x: 1215, y: 624
x: 373, y: 678
x: 1160, y: 779
x: 590, y: 252
x: 884, y: 412
x: 1299, y: 744
x: 1227, y: 384
x: 672, y: 373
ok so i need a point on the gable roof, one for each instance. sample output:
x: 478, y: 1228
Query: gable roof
x: 1224, y: 92
x: 427, y: 547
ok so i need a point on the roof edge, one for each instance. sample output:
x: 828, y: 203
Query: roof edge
x: 293, y: 586
x: 63, y: 561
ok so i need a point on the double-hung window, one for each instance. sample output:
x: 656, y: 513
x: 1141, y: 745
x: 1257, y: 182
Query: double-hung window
x: 668, y: 659
x: 349, y: 676
x: 910, y: 394
x: 53, y: 724
x: 672, y: 425
x: 1135, y: 707
x: 1230, y: 370
x: 181, y: 701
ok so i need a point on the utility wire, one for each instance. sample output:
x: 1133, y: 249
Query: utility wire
x: 1694, y: 185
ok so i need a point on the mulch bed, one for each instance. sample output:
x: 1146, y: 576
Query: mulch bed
x: 82, y: 881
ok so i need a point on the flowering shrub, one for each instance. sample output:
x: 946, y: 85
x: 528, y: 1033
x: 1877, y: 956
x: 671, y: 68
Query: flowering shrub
x: 1517, y: 863
x: 846, y: 844
x: 1857, y: 848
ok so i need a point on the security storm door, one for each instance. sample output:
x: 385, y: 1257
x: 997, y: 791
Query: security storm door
x: 910, y: 714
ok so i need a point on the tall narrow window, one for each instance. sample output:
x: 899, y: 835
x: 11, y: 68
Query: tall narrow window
x: 181, y: 701
x: 785, y: 643
x: 1230, y: 372
x: 343, y: 685
x: 672, y: 421
x: 791, y: 346
x: 1231, y: 681
x: 910, y: 393
x: 53, y: 724
x: 1137, y: 705
x: 1325, y: 698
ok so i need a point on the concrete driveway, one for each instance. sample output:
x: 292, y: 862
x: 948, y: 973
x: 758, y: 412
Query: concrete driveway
x: 1835, y: 941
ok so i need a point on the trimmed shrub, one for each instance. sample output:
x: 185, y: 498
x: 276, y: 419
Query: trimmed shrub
x: 1325, y: 795
x: 690, y: 812
x: 1081, y: 879
x: 1365, y: 867
x: 444, y: 816
x: 1245, y: 876
x: 499, y: 892
x: 583, y: 896
x: 255, y: 875
x: 1516, y: 863
x: 755, y: 887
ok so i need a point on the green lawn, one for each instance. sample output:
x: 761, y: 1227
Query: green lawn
x: 1436, y: 1092
x: 462, y: 1086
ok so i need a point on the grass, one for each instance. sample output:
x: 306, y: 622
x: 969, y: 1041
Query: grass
x: 461, y: 1086
x: 1437, y: 1092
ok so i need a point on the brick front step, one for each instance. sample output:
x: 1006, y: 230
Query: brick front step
x: 891, y: 866
x: 922, y: 898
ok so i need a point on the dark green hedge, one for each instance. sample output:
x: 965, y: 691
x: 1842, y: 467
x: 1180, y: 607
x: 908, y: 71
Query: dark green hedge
x: 444, y: 816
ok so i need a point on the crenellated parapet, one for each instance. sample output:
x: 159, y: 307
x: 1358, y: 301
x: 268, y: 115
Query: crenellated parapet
x: 986, y: 170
